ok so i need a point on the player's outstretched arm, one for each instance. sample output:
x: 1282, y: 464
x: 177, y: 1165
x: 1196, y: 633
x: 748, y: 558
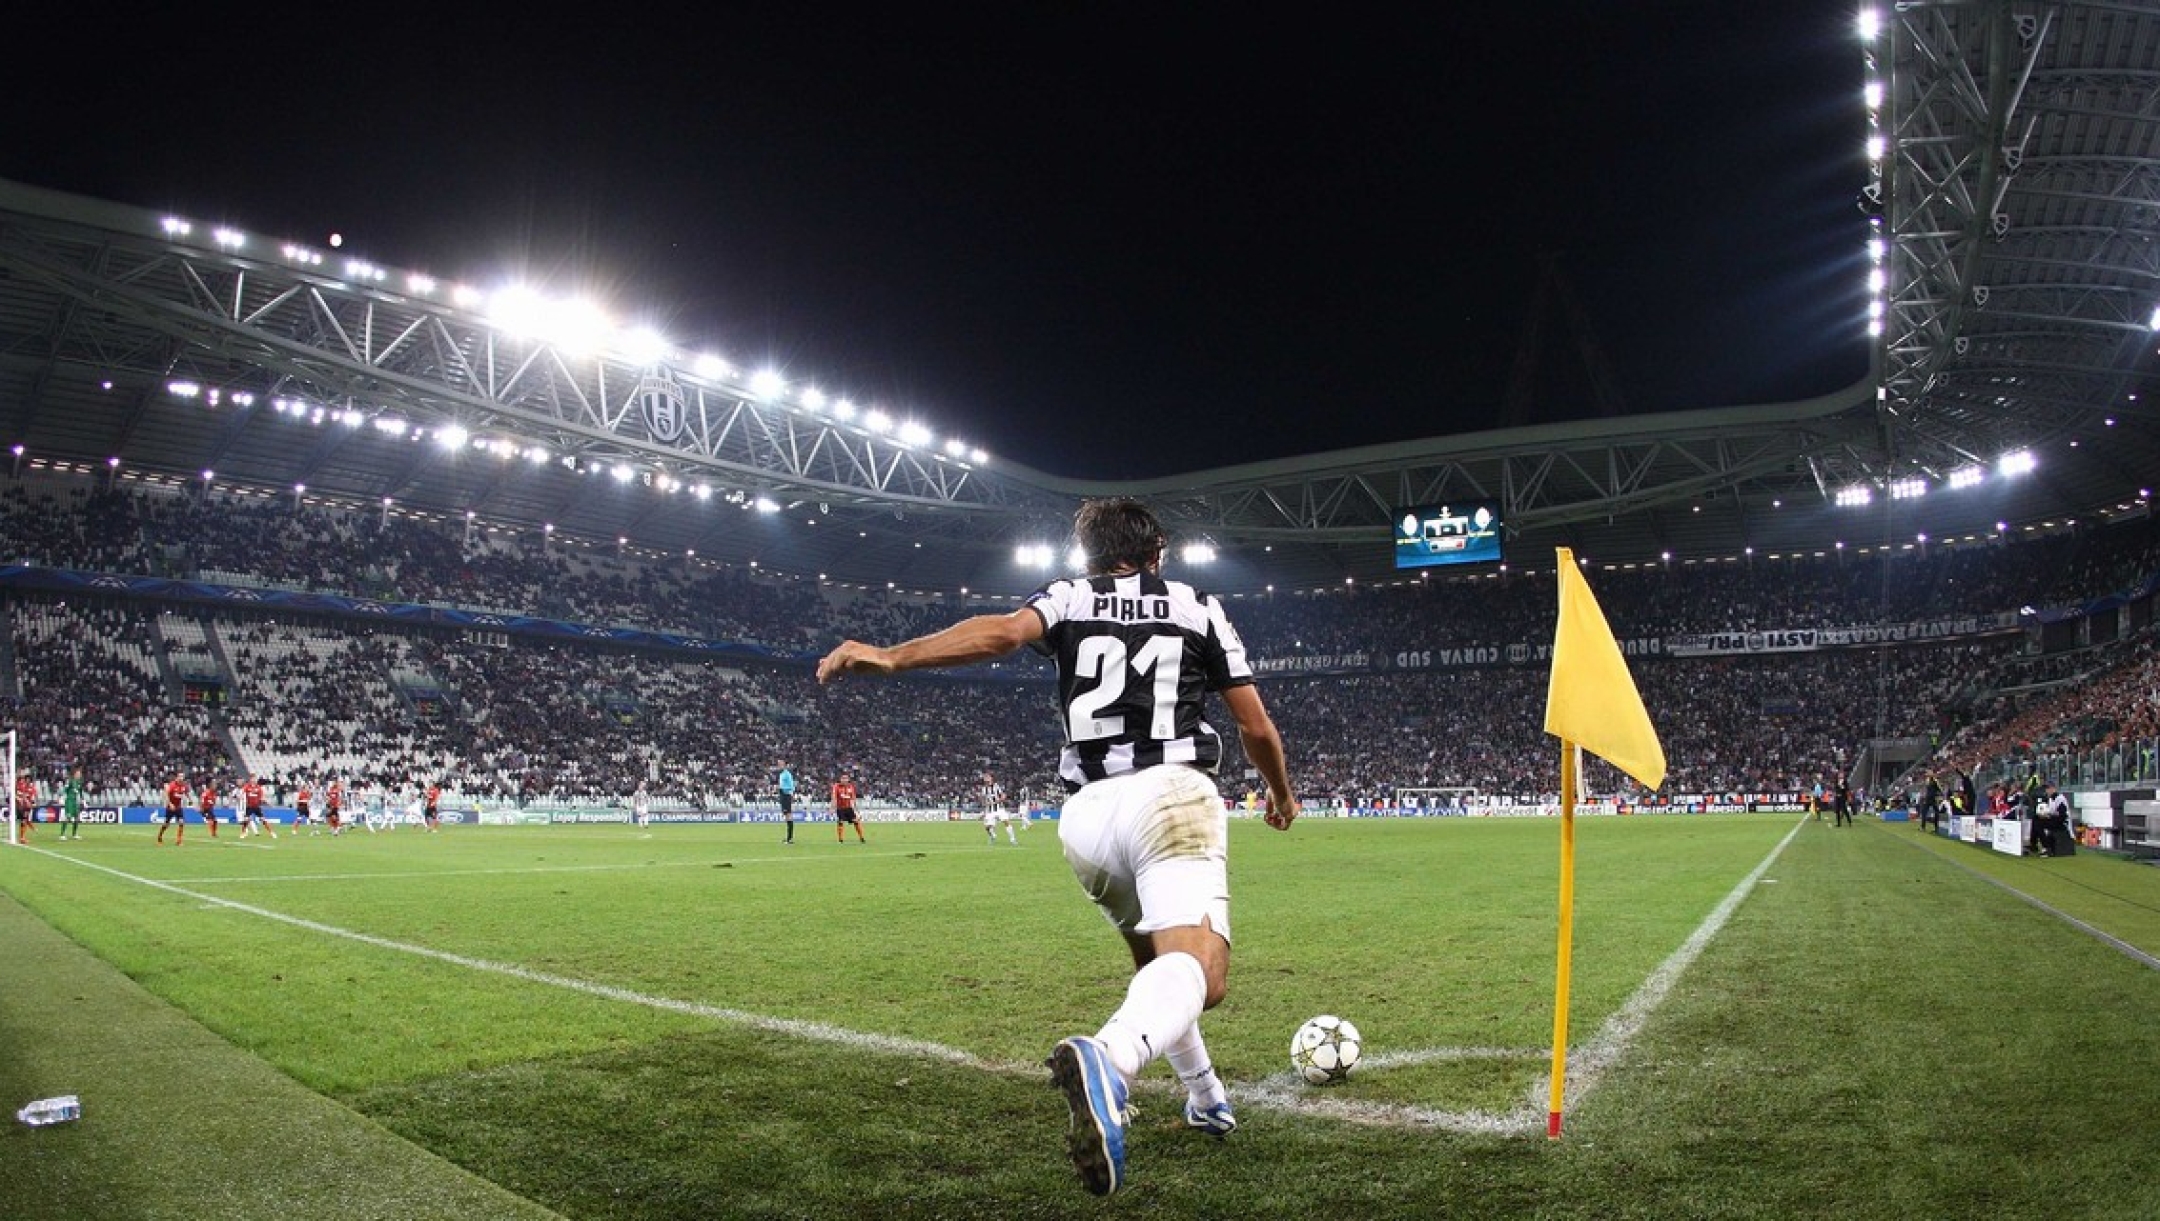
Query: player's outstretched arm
x: 978, y: 639
x: 1263, y: 745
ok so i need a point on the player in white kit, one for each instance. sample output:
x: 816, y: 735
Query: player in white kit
x: 1144, y: 829
x: 991, y: 796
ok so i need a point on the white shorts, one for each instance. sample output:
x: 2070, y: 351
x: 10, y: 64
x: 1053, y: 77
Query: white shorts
x: 1151, y: 848
x: 992, y: 818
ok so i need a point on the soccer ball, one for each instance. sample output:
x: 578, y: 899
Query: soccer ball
x: 1324, y: 1050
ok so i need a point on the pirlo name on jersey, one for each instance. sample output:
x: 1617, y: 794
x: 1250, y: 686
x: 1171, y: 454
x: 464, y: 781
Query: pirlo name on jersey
x: 1136, y: 654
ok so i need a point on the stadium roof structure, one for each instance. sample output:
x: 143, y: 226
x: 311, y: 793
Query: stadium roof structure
x: 2011, y: 211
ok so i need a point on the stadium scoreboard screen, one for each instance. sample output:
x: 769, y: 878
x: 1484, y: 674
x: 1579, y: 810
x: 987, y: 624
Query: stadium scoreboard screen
x: 1465, y: 532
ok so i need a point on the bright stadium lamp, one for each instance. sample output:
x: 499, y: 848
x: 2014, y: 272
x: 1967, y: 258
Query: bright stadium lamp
x: 452, y: 436
x: 768, y: 384
x: 643, y: 345
x: 877, y: 421
x: 710, y: 366
x: 2020, y: 462
x: 577, y: 325
x: 517, y: 309
x: 912, y: 433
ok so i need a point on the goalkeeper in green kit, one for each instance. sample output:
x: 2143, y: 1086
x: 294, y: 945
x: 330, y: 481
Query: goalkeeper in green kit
x: 71, y: 798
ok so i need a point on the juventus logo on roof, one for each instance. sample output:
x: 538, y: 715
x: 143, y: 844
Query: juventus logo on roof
x: 661, y: 400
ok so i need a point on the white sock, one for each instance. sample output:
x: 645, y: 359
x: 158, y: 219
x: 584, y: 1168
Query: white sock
x: 1162, y: 1006
x: 1189, y: 1060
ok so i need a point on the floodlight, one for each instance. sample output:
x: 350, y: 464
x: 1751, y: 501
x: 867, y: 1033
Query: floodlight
x: 813, y: 398
x: 1876, y: 146
x: 766, y: 504
x: 912, y: 433
x: 390, y: 424
x: 175, y: 227
x: 1855, y: 496
x: 703, y: 491
x: 576, y: 325
x: 2154, y: 322
x: 2020, y: 462
x: 452, y: 436
x: 517, y: 309
x: 351, y: 419
x: 1197, y: 553
x: 844, y: 410
x: 878, y: 421
x: 978, y: 457
x: 956, y: 448
x: 622, y: 473
x: 710, y: 366
x: 207, y: 474
x: 1869, y: 24
x: 767, y: 384
x: 420, y: 284
x: 1966, y: 477
x: 537, y: 454
x: 1877, y: 280
x: 1908, y: 489
x: 183, y: 390
x: 1873, y: 95
x: 230, y: 239
x: 643, y: 345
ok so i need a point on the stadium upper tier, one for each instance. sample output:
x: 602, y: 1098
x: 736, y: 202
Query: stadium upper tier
x: 196, y: 351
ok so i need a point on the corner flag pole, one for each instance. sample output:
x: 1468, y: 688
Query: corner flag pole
x: 1570, y: 767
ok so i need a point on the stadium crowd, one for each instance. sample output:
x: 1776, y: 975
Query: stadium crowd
x: 100, y: 682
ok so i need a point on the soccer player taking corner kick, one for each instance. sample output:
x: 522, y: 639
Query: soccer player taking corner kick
x: 1144, y: 828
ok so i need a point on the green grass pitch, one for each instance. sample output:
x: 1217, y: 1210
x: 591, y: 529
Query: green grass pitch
x: 698, y: 1021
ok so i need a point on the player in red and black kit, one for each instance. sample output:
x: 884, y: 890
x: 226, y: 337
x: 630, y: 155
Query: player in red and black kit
x: 334, y: 805
x: 175, y: 809
x: 25, y: 805
x: 301, y: 811
x: 206, y: 801
x: 252, y: 821
x: 843, y: 808
x: 429, y: 802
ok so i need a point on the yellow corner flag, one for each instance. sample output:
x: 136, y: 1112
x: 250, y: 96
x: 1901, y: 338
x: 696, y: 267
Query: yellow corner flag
x: 1592, y: 700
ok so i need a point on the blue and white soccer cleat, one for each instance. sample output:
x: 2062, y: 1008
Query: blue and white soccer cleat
x: 1217, y: 1121
x: 1080, y: 1068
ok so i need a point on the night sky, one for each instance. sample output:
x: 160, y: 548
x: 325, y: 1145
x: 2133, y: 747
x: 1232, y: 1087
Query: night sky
x: 1105, y: 241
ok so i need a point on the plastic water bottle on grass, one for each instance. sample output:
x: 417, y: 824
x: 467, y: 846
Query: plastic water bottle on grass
x: 51, y: 1111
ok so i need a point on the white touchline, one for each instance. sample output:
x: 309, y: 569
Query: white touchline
x: 1280, y: 1091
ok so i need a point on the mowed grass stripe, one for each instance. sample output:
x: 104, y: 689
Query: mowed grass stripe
x: 177, y: 1122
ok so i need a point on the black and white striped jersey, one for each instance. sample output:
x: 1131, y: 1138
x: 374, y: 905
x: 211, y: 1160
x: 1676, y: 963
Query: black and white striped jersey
x: 1135, y: 654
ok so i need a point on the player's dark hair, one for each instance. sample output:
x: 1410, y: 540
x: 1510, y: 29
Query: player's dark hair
x: 1118, y: 532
